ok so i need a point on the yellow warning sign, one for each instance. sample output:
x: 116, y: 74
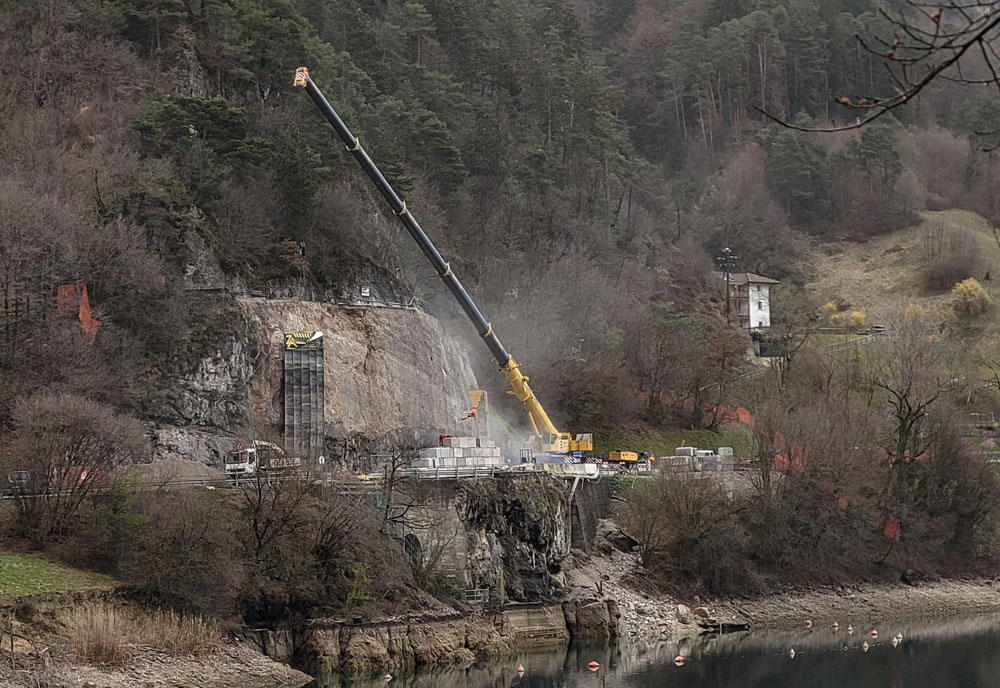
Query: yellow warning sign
x: 299, y: 340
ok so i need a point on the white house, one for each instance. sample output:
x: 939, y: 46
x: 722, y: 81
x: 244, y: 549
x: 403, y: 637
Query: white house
x: 750, y: 299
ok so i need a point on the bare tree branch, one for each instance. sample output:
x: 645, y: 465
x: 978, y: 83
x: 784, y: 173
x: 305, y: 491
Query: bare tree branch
x: 928, y: 41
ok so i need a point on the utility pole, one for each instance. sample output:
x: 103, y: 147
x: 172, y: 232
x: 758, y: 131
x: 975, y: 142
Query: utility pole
x: 727, y: 261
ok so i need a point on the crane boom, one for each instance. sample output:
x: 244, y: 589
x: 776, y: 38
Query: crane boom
x: 545, y: 431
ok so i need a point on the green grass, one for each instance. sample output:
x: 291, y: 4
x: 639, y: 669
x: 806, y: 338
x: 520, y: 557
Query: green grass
x: 33, y: 574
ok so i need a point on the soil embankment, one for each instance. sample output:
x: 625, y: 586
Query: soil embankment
x: 862, y: 604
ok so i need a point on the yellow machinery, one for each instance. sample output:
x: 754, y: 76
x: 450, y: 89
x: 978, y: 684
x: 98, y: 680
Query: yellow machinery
x: 623, y: 457
x: 547, y: 437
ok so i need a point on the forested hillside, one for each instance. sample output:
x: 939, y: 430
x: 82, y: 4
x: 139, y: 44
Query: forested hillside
x: 580, y: 162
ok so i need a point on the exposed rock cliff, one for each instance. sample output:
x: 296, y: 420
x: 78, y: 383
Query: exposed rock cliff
x: 516, y: 526
x: 324, y: 648
x: 393, y: 378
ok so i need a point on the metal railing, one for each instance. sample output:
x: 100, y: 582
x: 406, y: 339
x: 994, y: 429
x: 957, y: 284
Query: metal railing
x: 476, y: 596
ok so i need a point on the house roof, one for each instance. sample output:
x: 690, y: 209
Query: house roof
x: 748, y: 278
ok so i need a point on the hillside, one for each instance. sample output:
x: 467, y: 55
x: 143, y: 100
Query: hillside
x: 883, y: 275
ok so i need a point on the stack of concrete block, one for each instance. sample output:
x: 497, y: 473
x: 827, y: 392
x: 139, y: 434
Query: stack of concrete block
x: 462, y: 452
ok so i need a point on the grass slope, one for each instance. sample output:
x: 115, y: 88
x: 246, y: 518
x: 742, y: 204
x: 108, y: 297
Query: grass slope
x: 33, y: 574
x: 881, y: 276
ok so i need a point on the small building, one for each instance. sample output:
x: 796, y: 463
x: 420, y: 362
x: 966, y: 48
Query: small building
x: 750, y: 299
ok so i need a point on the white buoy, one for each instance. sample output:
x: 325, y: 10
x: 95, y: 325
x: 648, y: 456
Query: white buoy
x: 791, y: 653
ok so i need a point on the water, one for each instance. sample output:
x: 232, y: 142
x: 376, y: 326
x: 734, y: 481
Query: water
x: 950, y: 653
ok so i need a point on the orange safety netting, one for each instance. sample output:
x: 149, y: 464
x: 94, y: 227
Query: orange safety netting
x: 71, y: 297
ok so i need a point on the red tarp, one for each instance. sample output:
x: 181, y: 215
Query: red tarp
x: 70, y: 297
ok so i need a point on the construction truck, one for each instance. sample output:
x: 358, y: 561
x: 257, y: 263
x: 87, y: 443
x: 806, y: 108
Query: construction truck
x: 547, y: 437
x: 245, y: 461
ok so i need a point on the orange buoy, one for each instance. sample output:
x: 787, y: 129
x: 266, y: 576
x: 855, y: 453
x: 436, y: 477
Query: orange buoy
x: 520, y: 669
x: 894, y: 641
x: 809, y: 623
x: 874, y: 633
x: 679, y: 660
x: 865, y: 646
x: 590, y: 668
x: 593, y: 665
x: 836, y: 626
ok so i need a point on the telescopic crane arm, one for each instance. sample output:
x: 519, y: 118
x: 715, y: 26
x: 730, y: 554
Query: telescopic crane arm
x: 550, y: 438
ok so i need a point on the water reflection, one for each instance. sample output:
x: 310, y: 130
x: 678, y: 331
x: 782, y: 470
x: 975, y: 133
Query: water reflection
x: 954, y: 653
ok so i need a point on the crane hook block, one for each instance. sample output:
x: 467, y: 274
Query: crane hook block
x: 301, y: 77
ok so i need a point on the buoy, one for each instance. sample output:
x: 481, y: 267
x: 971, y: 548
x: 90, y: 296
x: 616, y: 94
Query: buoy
x: 809, y: 623
x: 865, y: 646
x: 873, y: 633
x: 850, y: 629
x: 679, y: 660
x: 899, y: 637
x: 520, y: 669
x: 593, y: 665
x: 836, y: 626
x: 846, y: 648
x: 894, y: 641
x: 791, y: 652
x: 387, y: 676
x: 590, y: 668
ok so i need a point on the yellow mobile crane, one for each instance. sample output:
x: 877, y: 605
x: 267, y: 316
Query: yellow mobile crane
x: 547, y: 437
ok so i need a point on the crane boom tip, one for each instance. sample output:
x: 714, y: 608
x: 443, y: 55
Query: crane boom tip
x: 301, y: 77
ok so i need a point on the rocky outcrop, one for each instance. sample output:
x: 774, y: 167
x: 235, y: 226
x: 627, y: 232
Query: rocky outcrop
x: 324, y: 649
x: 592, y: 619
x: 393, y: 377
x: 517, y: 526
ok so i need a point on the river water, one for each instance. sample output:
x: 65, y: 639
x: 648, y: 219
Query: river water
x: 935, y: 653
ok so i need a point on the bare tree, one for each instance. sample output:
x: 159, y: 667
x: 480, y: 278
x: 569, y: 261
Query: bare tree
x: 66, y: 448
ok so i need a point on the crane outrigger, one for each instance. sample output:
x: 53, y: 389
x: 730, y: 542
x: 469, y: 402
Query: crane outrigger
x: 548, y: 438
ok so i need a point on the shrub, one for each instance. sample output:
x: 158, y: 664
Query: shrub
x: 103, y: 633
x: 95, y: 634
x: 969, y: 298
x: 950, y: 255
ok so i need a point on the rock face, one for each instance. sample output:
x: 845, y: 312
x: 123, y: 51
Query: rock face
x: 196, y: 413
x: 517, y: 526
x: 375, y: 648
x: 393, y: 378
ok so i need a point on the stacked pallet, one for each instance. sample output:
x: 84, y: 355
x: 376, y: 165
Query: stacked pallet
x: 461, y: 452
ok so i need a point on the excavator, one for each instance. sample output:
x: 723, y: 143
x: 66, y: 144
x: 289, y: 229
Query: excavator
x: 547, y: 437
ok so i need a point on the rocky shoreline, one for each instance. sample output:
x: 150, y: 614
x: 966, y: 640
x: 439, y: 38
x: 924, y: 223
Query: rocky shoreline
x: 650, y: 616
x: 325, y: 647
x: 233, y: 664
